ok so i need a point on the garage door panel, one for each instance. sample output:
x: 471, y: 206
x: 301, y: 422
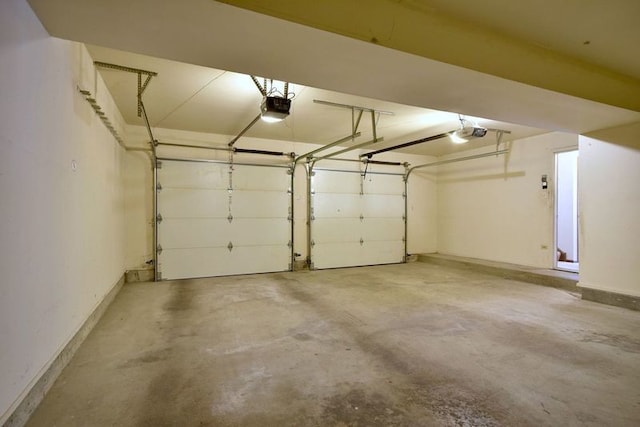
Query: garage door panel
x: 350, y: 228
x: 196, y: 235
x: 383, y: 205
x: 336, y: 230
x: 383, y: 184
x: 336, y: 255
x: 258, y: 204
x: 191, y: 263
x: 260, y: 178
x: 335, y: 182
x: 260, y: 231
x: 382, y: 229
x: 190, y: 203
x: 383, y: 252
x: 209, y: 232
x: 336, y: 205
x: 193, y: 175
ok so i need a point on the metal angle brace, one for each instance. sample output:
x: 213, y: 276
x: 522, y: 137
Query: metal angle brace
x: 356, y: 116
x: 499, y: 134
x: 353, y: 147
x: 361, y: 145
x: 141, y: 86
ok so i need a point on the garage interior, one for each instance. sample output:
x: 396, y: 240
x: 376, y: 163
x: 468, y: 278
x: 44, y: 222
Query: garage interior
x: 170, y: 257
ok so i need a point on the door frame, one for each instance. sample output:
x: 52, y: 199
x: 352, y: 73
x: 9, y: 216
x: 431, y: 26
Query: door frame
x: 555, y: 207
x: 310, y: 197
x: 158, y: 188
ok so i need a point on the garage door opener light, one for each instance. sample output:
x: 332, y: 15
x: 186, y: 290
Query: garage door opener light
x: 467, y: 131
x: 274, y: 108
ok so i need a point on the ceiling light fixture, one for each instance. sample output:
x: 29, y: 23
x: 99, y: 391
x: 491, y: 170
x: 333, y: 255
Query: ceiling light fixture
x: 467, y: 131
x: 274, y: 108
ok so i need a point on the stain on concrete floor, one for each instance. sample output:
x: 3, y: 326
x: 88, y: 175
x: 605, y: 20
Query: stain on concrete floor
x: 401, y: 345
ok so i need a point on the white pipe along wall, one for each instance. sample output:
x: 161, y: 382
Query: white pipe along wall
x: 62, y: 213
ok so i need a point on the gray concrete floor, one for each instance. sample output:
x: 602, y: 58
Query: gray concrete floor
x: 414, y: 344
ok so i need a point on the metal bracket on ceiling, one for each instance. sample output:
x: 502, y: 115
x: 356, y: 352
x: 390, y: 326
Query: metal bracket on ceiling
x: 355, y: 123
x: 353, y: 147
x: 262, y: 89
x: 352, y: 107
x: 499, y: 134
x: 141, y: 86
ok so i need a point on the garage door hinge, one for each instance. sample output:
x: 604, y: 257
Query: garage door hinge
x: 361, y: 217
x: 313, y: 192
x: 290, y: 171
x: 230, y: 218
x: 289, y: 191
x: 158, y: 219
x: 158, y: 186
x: 313, y: 243
x: 289, y: 244
x: 159, y: 249
x: 404, y: 195
x: 404, y: 218
x: 361, y: 242
x: 230, y: 246
x: 158, y: 164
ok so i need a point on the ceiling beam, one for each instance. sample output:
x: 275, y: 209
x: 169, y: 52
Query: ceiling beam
x: 212, y: 34
x: 415, y: 28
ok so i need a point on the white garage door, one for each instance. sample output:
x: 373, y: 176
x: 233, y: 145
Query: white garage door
x: 356, y: 220
x: 214, y: 223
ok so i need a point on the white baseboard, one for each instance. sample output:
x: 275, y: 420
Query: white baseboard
x: 20, y: 413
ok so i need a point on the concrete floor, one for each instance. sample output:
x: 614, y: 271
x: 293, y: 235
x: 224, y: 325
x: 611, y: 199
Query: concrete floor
x: 414, y: 344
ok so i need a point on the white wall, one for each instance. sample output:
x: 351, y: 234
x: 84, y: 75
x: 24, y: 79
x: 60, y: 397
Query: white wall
x: 609, y: 198
x: 61, y: 229
x: 422, y: 211
x: 495, y: 208
x: 138, y: 191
